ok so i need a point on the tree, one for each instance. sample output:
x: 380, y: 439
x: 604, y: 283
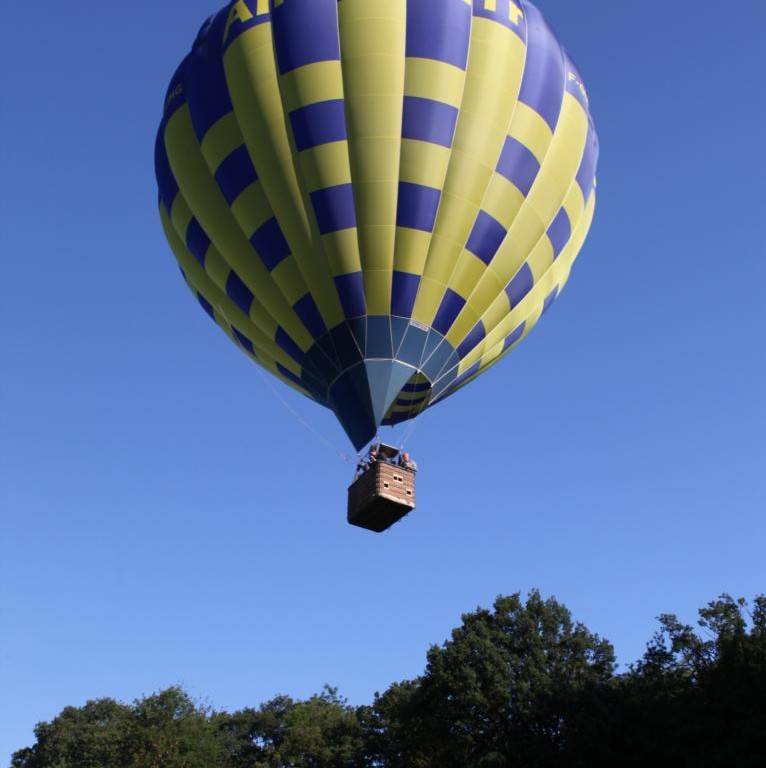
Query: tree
x: 498, y: 693
x: 697, y: 697
x: 518, y: 686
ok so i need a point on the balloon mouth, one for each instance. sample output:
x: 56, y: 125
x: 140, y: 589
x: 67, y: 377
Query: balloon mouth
x: 379, y: 370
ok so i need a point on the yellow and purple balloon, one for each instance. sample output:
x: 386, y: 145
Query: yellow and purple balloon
x: 376, y: 201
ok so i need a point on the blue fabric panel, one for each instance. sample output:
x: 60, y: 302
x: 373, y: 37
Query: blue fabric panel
x: 399, y: 327
x: 417, y: 206
x: 574, y: 83
x: 486, y: 237
x: 241, y: 25
x: 379, y: 337
x: 587, y: 172
x: 235, y: 174
x: 285, y: 342
x: 309, y: 315
x: 239, y: 293
x: 422, y: 387
x: 350, y: 289
x: 412, y: 404
x: 433, y: 340
x: 440, y: 30
x: 449, y: 309
x: 559, y: 232
x: 325, y: 343
x: 518, y: 165
x: 206, y: 305
x: 175, y: 96
x: 520, y: 286
x: 476, y: 335
x: 350, y: 399
x: 345, y: 345
x: 501, y: 14
x: 270, y: 243
x: 288, y: 374
x: 443, y: 382
x: 542, y: 86
x: 404, y: 291
x: 428, y: 120
x: 434, y: 364
x: 385, y: 380
x: 317, y: 361
x: 467, y: 374
x: 411, y: 348
x: 314, y: 386
x: 358, y: 328
x: 549, y: 299
x: 305, y: 31
x: 452, y: 363
x: 514, y: 336
x: 166, y: 182
x: 334, y: 208
x: 205, y: 79
x: 319, y: 123
x: 197, y: 241
x: 243, y: 340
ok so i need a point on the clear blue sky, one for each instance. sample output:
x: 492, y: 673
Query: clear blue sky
x: 158, y: 523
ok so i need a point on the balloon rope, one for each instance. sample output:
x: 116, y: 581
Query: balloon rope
x: 300, y: 418
x: 409, y: 432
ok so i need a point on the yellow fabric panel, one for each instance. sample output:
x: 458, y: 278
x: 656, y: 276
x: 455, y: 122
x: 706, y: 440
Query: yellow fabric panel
x: 374, y: 240
x: 529, y: 128
x: 423, y: 162
x: 221, y: 140
x: 411, y: 250
x: 181, y: 215
x: 466, y: 274
x: 556, y: 274
x: 432, y: 293
x: 318, y: 81
x: 532, y: 218
x: 541, y: 258
x: 325, y: 165
x: 526, y: 230
x: 199, y: 280
x: 574, y: 204
x: 489, y: 292
x: 251, y: 209
x: 503, y: 200
x: 430, y: 79
x: 209, y: 207
x: 252, y: 79
x: 377, y: 283
x: 342, y: 250
x: 462, y: 326
x: 561, y: 163
x: 449, y: 251
x: 290, y: 280
x: 493, y: 78
x: 372, y: 41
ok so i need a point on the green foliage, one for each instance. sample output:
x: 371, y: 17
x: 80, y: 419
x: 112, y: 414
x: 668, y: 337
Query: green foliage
x: 518, y: 686
x: 499, y: 690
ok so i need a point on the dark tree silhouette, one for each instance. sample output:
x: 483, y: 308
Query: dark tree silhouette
x: 518, y: 686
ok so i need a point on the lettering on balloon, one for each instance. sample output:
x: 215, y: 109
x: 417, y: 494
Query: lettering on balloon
x: 243, y: 11
x: 515, y: 14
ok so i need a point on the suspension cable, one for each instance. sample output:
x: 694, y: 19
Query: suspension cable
x: 299, y: 418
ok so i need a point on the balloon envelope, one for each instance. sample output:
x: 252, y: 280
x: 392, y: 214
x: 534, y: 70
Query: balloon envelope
x: 376, y: 200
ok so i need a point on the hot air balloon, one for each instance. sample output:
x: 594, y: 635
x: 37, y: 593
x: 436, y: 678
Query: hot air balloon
x: 376, y: 200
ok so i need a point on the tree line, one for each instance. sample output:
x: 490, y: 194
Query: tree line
x: 521, y: 685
